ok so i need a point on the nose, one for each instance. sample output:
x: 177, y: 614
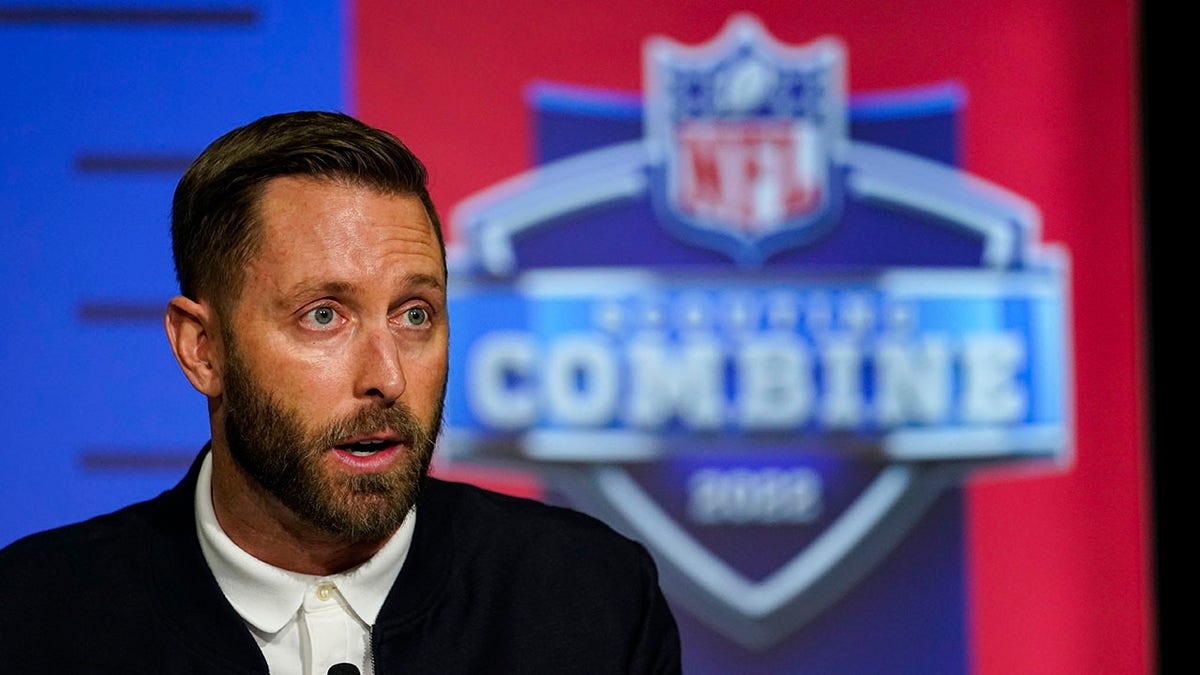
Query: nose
x: 381, y: 374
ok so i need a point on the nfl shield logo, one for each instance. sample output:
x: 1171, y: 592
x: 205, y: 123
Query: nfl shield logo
x: 745, y: 131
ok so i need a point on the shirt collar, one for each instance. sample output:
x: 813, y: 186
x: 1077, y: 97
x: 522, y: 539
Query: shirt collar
x: 268, y: 597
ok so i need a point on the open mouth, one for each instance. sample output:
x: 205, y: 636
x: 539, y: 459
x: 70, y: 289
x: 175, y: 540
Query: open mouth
x: 366, y: 448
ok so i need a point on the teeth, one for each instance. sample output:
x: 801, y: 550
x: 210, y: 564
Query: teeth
x: 365, y: 448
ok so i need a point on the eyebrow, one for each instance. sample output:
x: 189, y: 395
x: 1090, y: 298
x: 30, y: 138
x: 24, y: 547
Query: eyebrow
x: 310, y: 288
x: 426, y: 280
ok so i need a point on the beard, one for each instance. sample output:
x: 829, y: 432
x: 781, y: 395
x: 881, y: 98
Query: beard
x: 267, y: 441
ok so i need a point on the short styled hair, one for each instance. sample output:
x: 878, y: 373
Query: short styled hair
x: 215, y: 231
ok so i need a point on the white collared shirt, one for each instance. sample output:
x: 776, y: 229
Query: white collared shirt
x: 303, y: 623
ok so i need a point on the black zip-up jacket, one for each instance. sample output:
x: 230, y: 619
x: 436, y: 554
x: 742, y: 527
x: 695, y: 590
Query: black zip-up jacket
x: 492, y: 584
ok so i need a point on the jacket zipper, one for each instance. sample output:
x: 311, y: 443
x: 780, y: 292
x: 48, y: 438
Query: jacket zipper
x: 371, y: 639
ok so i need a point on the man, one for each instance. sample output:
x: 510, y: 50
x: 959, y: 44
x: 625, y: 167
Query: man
x: 307, y: 538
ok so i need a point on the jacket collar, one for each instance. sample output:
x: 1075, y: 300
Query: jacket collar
x: 184, y: 591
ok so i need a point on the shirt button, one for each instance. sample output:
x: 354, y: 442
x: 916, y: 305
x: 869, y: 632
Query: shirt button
x: 324, y: 592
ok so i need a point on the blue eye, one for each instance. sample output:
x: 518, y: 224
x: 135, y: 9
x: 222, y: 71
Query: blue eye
x: 416, y: 316
x: 323, y: 316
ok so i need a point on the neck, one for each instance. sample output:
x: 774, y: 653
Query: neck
x: 263, y: 527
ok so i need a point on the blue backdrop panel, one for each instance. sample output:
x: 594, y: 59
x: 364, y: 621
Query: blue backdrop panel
x: 104, y: 106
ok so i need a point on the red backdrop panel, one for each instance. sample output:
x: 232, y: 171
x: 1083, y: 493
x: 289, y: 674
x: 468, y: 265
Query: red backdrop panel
x: 1058, y: 564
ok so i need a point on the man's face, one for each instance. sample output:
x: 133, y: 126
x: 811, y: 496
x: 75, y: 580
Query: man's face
x: 336, y: 354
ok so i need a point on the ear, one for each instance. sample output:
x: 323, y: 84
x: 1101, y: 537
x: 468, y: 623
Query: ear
x: 192, y: 331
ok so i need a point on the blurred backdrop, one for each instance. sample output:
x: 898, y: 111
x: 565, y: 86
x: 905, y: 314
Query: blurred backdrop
x: 837, y: 306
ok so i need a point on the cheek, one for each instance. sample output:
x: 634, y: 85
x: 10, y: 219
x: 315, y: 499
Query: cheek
x: 305, y: 377
x: 429, y: 369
